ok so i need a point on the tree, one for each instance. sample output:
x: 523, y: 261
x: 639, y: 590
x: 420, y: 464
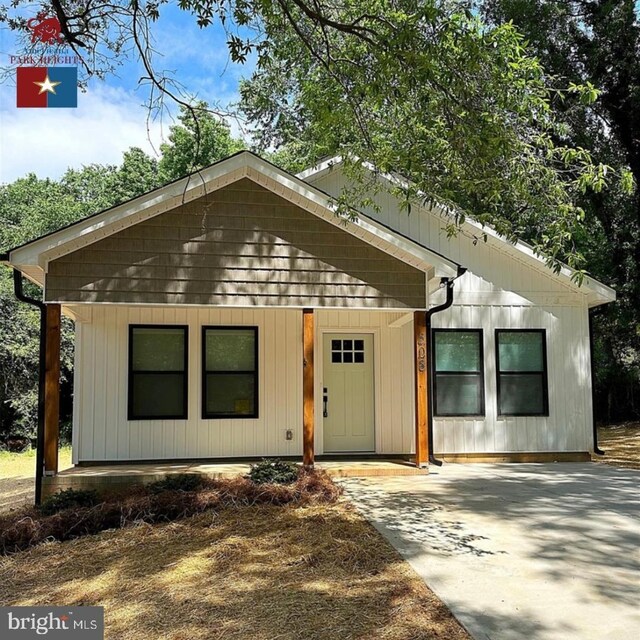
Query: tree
x: 200, y: 139
x: 424, y: 88
x: 30, y: 207
x: 599, y: 42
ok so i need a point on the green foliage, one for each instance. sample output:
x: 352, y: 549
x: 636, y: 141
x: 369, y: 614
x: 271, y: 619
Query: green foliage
x: 460, y: 108
x: 274, y: 472
x: 177, y: 482
x: 68, y: 499
x: 595, y: 45
x: 195, y: 143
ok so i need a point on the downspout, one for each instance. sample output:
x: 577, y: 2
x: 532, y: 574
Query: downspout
x: 19, y: 293
x: 592, y: 313
x: 448, y: 283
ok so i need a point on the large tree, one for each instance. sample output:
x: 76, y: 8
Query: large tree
x: 421, y: 87
x: 196, y: 140
x: 598, y: 41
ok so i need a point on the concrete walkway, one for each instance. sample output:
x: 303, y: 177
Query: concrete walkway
x: 535, y: 551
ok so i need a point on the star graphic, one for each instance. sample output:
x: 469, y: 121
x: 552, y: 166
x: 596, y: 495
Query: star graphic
x: 64, y: 618
x: 47, y: 85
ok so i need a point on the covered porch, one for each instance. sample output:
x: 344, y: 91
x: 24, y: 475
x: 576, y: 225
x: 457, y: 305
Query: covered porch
x: 297, y: 397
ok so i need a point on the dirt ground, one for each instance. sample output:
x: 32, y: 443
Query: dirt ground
x: 621, y: 444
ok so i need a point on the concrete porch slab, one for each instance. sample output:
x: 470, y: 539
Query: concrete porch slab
x: 117, y: 476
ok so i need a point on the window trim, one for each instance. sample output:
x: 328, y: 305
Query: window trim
x: 435, y: 374
x: 255, y: 372
x: 544, y: 373
x: 185, y: 373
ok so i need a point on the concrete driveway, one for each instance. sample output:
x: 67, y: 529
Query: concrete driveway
x: 535, y: 551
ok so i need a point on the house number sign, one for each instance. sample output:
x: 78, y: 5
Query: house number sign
x: 422, y: 352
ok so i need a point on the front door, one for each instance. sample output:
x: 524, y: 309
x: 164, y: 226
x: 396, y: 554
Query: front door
x: 347, y: 398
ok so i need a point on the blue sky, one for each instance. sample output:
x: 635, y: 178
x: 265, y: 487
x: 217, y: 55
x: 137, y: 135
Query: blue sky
x: 111, y: 116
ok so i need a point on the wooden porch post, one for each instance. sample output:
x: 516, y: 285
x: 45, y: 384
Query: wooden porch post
x: 420, y: 372
x: 52, y: 390
x: 307, y: 389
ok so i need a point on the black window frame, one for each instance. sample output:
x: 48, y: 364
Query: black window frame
x: 255, y: 373
x: 544, y: 373
x: 435, y: 374
x: 131, y: 373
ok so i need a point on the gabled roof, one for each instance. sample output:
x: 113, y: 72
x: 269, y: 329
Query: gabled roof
x: 597, y: 293
x: 33, y: 257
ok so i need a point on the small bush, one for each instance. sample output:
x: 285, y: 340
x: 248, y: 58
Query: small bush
x: 177, y: 482
x: 16, y: 444
x: 68, y: 499
x: 274, y: 472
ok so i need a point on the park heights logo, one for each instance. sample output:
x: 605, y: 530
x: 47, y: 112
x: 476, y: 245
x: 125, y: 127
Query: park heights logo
x: 41, y: 80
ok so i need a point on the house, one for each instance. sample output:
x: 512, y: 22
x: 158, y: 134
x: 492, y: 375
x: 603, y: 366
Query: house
x: 233, y: 314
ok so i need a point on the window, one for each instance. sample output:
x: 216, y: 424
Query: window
x: 347, y: 351
x: 522, y: 372
x: 157, y: 372
x: 230, y: 372
x: 458, y: 372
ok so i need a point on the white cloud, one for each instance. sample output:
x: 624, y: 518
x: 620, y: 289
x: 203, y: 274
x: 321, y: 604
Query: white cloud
x: 47, y: 141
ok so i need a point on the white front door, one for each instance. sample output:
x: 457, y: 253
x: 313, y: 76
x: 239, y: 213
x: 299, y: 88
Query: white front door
x: 347, y: 398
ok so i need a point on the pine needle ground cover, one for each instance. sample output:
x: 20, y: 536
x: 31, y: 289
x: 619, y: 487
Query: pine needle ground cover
x: 258, y: 572
x: 621, y: 443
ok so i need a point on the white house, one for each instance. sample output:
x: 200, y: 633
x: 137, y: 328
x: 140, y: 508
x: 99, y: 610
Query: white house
x: 233, y: 314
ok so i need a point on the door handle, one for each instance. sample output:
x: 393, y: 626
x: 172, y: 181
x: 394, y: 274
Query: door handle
x: 325, y: 402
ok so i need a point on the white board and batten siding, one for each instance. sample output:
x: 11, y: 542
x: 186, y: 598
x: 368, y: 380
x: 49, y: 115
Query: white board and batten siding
x: 500, y: 292
x: 497, y: 292
x: 101, y: 428
x: 102, y: 431
x: 568, y: 426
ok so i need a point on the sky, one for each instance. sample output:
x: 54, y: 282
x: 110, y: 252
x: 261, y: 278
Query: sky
x: 111, y: 116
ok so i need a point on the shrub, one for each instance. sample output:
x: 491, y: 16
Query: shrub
x: 177, y: 482
x: 274, y: 472
x: 68, y: 499
x: 16, y: 444
x: 31, y: 526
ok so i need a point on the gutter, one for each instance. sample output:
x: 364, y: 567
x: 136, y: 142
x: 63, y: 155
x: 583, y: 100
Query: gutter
x: 592, y: 313
x: 20, y: 295
x: 448, y: 283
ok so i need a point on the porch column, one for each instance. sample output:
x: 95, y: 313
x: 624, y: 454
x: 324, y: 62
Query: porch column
x: 52, y: 390
x: 307, y: 389
x: 420, y: 373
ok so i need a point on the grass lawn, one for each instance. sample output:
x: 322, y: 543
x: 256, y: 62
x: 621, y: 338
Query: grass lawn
x: 17, y: 473
x: 621, y: 444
